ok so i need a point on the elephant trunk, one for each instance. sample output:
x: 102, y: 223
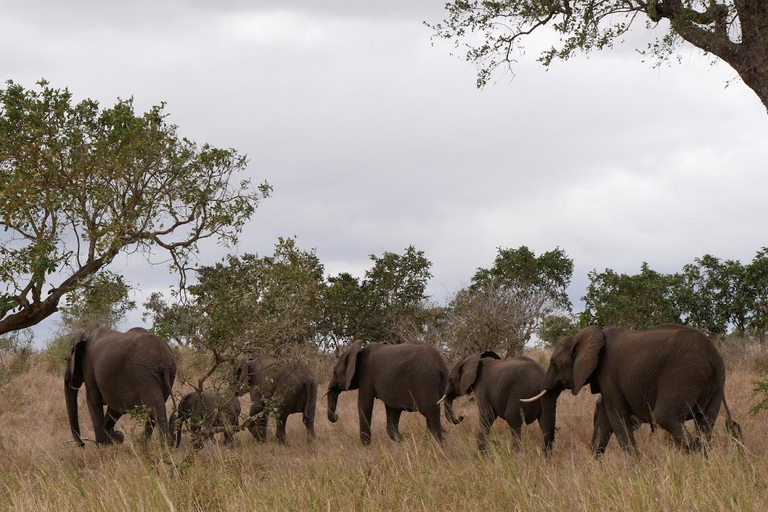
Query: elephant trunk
x: 333, y: 399
x: 448, y: 405
x: 548, y: 418
x: 70, y: 395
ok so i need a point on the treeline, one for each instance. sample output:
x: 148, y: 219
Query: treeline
x: 285, y: 301
x: 714, y: 295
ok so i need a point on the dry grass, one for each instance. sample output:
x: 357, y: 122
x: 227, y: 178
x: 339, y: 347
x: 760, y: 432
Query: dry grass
x: 42, y: 470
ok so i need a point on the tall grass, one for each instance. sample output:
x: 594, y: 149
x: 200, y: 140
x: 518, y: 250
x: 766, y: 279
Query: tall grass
x: 43, y: 471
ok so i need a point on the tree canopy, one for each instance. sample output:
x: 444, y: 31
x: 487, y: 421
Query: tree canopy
x: 493, y: 31
x: 81, y: 184
x: 505, y: 305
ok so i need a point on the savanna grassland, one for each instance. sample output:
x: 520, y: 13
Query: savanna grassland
x: 43, y: 471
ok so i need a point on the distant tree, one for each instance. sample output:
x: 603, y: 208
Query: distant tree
x: 736, y: 32
x: 343, y: 311
x: 554, y: 327
x: 393, y: 292
x: 249, y: 305
x: 505, y: 305
x: 639, y: 301
x: 756, y: 281
x: 101, y: 300
x: 173, y: 321
x: 81, y: 184
x: 705, y: 295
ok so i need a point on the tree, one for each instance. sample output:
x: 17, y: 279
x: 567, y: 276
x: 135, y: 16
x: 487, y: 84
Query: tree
x: 756, y: 281
x: 81, y: 184
x: 704, y: 295
x: 505, y: 305
x: 554, y: 327
x: 343, y: 311
x: 248, y: 305
x: 639, y: 301
x: 393, y: 292
x: 734, y: 31
x: 101, y: 300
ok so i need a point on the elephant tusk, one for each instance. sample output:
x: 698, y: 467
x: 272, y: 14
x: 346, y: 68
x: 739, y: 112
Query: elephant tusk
x: 534, y: 398
x: 441, y: 400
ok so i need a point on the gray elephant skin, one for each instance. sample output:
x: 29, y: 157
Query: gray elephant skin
x: 406, y: 377
x: 120, y: 370
x: 665, y: 375
x: 499, y: 385
x: 214, y: 410
x: 285, y: 387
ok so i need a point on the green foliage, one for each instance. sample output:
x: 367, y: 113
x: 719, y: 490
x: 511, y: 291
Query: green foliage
x: 393, y: 292
x: 343, y: 311
x: 554, y: 327
x: 101, y: 300
x: 81, y: 184
x: 756, y: 284
x: 639, y: 301
x: 247, y: 305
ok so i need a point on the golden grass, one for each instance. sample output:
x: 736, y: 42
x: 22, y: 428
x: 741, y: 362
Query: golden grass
x: 43, y: 471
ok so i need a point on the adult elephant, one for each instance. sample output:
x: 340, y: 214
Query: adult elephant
x: 120, y: 370
x: 214, y: 410
x: 285, y: 387
x: 498, y: 386
x: 665, y: 375
x: 406, y: 377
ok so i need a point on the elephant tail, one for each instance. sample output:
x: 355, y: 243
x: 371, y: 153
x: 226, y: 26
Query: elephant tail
x: 168, y: 378
x: 734, y: 429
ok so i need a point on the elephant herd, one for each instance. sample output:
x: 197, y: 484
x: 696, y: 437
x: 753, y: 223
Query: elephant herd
x: 664, y: 376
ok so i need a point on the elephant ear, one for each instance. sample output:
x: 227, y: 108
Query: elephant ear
x: 351, y: 365
x: 73, y: 374
x: 586, y: 349
x: 468, y: 374
x: 241, y: 377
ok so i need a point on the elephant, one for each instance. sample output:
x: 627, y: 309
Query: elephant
x: 121, y: 370
x: 634, y: 421
x: 498, y: 386
x: 214, y: 411
x: 665, y: 375
x: 285, y: 387
x: 406, y: 377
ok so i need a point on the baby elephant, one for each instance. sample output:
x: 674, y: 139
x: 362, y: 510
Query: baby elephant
x: 218, y: 412
x: 282, y: 387
x: 498, y: 386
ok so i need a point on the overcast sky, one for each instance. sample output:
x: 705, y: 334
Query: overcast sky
x: 374, y: 139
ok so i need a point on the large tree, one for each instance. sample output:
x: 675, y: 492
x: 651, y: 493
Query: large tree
x: 736, y: 31
x: 80, y: 184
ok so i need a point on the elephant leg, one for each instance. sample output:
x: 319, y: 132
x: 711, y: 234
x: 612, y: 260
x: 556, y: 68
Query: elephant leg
x: 601, y: 432
x: 393, y: 423
x: 109, y: 425
x: 487, y: 417
x: 97, y: 418
x: 282, y: 419
x: 705, y: 422
x: 365, y: 412
x: 309, y: 423
x: 433, y: 423
x: 258, y: 426
x: 149, y: 427
x: 515, y: 419
x: 673, y: 421
x: 621, y: 424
